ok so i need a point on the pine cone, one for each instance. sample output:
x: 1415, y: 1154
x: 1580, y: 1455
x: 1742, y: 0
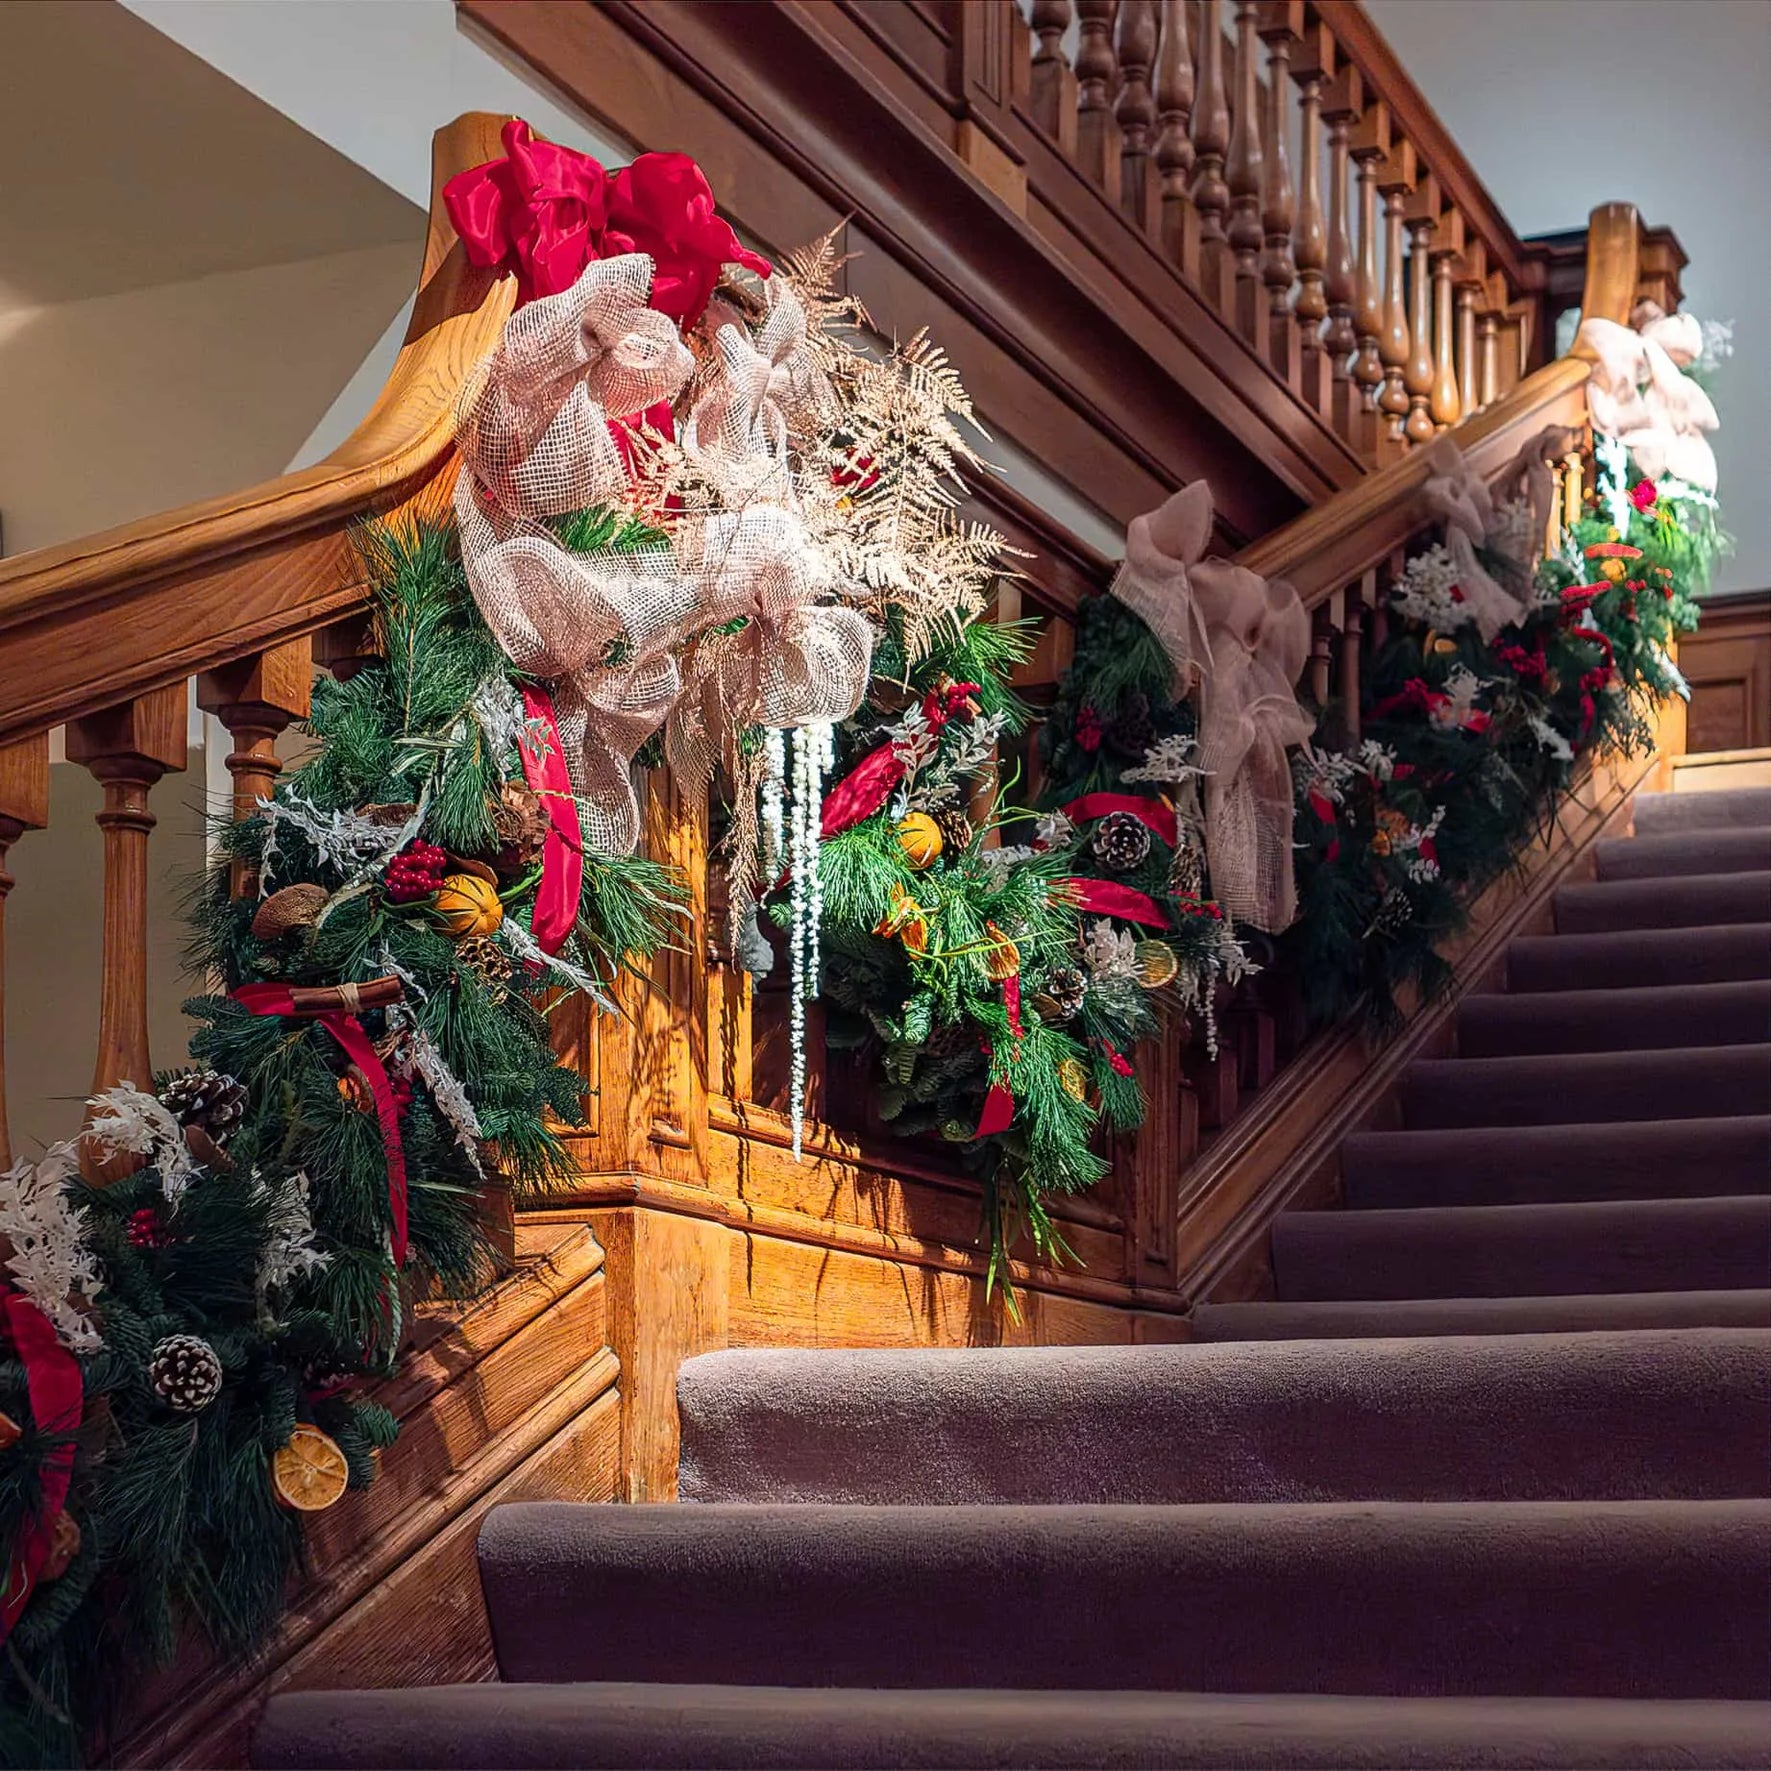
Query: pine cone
x: 185, y: 1372
x: 1061, y: 999
x: 1132, y: 731
x: 1121, y: 841
x: 206, y: 1099
x: 488, y: 962
x: 522, y: 825
x: 955, y: 827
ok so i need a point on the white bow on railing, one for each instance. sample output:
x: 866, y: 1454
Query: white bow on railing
x: 1249, y: 640
x: 1639, y: 393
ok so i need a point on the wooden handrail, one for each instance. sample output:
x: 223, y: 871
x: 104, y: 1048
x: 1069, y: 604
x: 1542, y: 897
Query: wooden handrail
x: 1361, y: 527
x: 93, y: 622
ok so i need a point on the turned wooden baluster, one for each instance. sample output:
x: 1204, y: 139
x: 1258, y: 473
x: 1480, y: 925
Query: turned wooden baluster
x: 1052, y: 89
x: 1097, y: 134
x: 24, y: 805
x: 1446, y: 406
x: 1370, y: 138
x: 1174, y: 147
x: 1281, y: 26
x: 1422, y: 214
x: 1309, y: 239
x: 256, y: 698
x: 1351, y: 636
x: 1211, y: 140
x: 127, y: 749
x: 1245, y: 169
x: 1340, y: 283
x: 1134, y: 41
x: 1469, y: 293
x: 1488, y: 349
x: 1323, y: 621
x: 1394, y: 182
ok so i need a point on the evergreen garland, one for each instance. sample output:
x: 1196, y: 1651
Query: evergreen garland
x: 256, y: 1234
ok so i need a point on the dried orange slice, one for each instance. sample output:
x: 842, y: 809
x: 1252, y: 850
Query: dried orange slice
x: 309, y: 1473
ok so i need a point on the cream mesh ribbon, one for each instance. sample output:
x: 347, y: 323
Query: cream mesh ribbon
x: 1249, y: 639
x: 1639, y: 393
x: 1456, y: 495
x: 611, y: 630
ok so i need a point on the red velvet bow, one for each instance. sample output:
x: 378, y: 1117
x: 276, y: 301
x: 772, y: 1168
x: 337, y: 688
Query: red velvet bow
x: 52, y: 1382
x: 1107, y: 897
x: 562, y: 858
x: 544, y: 212
x: 275, y: 999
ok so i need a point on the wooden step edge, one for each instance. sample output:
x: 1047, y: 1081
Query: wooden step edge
x: 172, y: 1739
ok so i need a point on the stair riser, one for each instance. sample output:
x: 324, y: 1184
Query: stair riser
x: 1707, y: 902
x: 1524, y: 1251
x: 1693, y: 852
x: 1621, y: 1416
x: 1535, y: 1164
x: 1615, y: 1020
x: 1661, y: 814
x: 1674, y: 957
x: 1482, y: 1316
x: 1588, y: 1089
x: 1650, y: 1599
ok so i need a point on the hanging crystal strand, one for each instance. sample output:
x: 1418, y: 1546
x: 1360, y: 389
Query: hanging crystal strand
x: 774, y: 788
x: 814, y: 752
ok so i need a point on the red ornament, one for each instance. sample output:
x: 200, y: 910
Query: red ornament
x: 1644, y: 495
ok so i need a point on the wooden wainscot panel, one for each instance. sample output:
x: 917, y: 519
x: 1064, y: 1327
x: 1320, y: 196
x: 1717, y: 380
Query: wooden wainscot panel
x: 425, y: 1624
x: 1728, y: 665
x: 1282, y: 1153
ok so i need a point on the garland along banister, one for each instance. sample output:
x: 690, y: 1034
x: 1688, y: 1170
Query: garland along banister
x: 702, y: 516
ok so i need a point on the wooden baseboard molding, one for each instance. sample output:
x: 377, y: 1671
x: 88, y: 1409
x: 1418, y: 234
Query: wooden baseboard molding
x: 1283, y: 1152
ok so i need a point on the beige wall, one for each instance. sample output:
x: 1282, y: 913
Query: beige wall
x: 124, y: 405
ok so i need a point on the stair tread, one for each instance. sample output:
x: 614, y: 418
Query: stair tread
x: 1412, y: 1318
x: 1725, y: 850
x: 597, y: 1725
x: 1643, y: 1017
x: 1377, y: 1598
x: 1549, y: 1249
x: 1535, y: 1164
x: 1679, y: 901
x: 1650, y: 1411
x: 1719, y: 808
x: 1623, y: 958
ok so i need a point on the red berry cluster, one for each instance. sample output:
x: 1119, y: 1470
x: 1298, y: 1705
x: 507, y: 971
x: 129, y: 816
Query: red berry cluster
x: 416, y: 872
x: 146, y: 1230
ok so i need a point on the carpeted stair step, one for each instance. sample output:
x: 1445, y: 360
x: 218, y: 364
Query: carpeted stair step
x: 1620, y: 1416
x: 1587, y: 1088
x: 1731, y: 808
x: 1513, y: 1251
x: 1663, y: 1599
x: 1685, y: 852
x: 1631, y: 959
x: 1734, y: 1013
x: 1707, y: 900
x: 1388, y: 1318
x: 601, y: 1727
x: 1541, y: 1164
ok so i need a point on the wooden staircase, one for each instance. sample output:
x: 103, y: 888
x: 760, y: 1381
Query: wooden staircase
x: 1037, y: 216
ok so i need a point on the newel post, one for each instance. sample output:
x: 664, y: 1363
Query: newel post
x: 993, y: 68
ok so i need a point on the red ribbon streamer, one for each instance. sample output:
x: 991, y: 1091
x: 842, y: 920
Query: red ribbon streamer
x: 999, y: 1111
x: 562, y: 857
x: 52, y: 1381
x: 868, y: 785
x: 275, y: 999
x: 1154, y: 814
x: 1107, y: 897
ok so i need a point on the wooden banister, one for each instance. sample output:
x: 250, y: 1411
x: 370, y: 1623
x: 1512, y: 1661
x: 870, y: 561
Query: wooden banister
x: 229, y: 576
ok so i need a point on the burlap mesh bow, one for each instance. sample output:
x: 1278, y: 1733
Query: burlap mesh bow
x: 1639, y: 393
x: 739, y: 588
x: 1248, y: 638
x: 1458, y: 496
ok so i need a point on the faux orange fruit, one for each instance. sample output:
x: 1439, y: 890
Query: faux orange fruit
x: 919, y: 837
x: 309, y: 1474
x: 468, y: 905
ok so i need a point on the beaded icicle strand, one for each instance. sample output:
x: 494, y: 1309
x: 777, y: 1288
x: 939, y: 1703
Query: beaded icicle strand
x: 814, y: 755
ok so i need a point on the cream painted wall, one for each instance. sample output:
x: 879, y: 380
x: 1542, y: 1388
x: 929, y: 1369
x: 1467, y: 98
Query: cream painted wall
x: 128, y: 404
x: 1564, y: 104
